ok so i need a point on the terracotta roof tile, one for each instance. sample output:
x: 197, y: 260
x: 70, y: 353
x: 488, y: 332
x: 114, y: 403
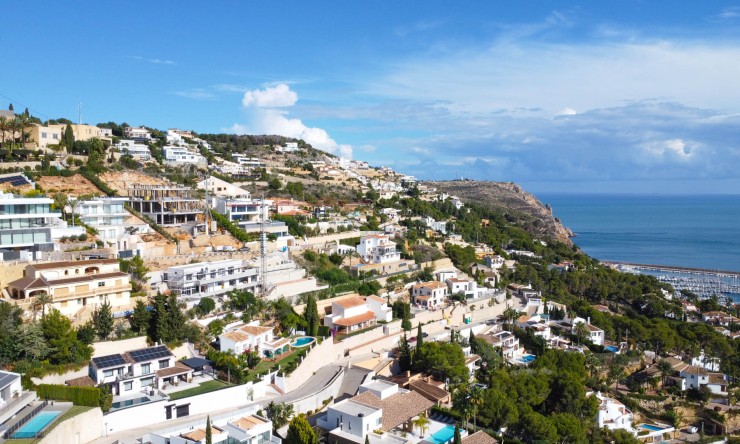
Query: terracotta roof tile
x: 354, y: 301
x: 479, y: 437
x: 354, y: 320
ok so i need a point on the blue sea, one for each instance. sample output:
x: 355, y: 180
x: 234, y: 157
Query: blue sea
x: 687, y: 231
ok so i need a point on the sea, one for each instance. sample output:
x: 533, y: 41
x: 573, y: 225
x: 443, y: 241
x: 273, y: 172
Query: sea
x: 695, y: 231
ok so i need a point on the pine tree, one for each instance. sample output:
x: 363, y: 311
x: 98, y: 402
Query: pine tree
x: 457, y: 438
x: 471, y: 342
x: 68, y: 138
x: 175, y: 318
x: 419, y: 336
x: 209, y: 431
x: 311, y: 315
x: 140, y: 317
x: 10, y: 107
x: 159, y: 324
x: 103, y: 320
x: 300, y: 432
x: 404, y: 354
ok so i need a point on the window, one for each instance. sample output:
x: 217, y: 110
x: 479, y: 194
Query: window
x: 101, y: 284
x: 128, y: 385
x: 164, y: 363
x: 146, y: 368
x: 107, y: 373
x: 146, y: 382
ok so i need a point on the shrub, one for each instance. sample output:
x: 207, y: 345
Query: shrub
x: 84, y: 396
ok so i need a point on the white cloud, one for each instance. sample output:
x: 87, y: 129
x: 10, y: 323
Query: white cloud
x: 278, y: 96
x: 567, y: 112
x: 155, y: 61
x: 266, y: 113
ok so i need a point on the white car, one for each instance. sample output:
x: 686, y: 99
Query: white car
x: 692, y: 429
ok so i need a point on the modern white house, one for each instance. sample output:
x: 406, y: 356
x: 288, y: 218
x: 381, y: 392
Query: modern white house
x: 243, y: 211
x: 595, y: 334
x: 10, y: 387
x: 217, y: 187
x: 194, y: 281
x: 137, y: 133
x: 134, y: 149
x: 26, y: 225
x: 613, y: 414
x: 253, y: 337
x: 105, y: 214
x: 130, y: 372
x: 379, y: 406
x: 440, y: 226
x: 378, y: 249
x: 506, y: 340
x: 245, y: 427
x: 379, y: 306
x: 176, y: 155
x: 429, y: 295
x: 349, y: 314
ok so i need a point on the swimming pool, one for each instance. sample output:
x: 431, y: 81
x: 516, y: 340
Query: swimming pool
x: 651, y: 427
x: 528, y: 358
x: 35, y: 425
x: 443, y: 435
x: 611, y: 348
x: 302, y: 341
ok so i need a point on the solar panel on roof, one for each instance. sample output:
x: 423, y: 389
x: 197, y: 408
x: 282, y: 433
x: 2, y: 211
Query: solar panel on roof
x: 148, y: 354
x: 108, y: 361
x: 6, y: 378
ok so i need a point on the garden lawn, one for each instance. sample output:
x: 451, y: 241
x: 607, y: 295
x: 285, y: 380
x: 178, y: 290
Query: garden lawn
x: 205, y: 387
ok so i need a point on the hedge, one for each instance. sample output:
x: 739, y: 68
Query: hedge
x: 84, y: 396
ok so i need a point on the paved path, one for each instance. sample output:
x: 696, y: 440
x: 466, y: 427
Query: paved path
x: 318, y: 381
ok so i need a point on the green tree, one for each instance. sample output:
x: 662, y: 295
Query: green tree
x: 419, y: 336
x: 62, y: 339
x: 30, y: 342
x: 404, y: 354
x: 140, y: 317
x: 86, y: 332
x: 102, y: 318
x: 457, y: 439
x: 665, y: 368
x: 209, y: 431
x: 68, y: 139
x: 279, y: 414
x: 206, y: 305
x: 274, y: 184
x: 311, y: 315
x: 300, y: 432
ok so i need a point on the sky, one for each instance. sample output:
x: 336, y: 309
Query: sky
x: 610, y: 97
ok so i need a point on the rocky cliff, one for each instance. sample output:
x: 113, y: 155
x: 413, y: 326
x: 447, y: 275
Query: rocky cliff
x: 509, y: 197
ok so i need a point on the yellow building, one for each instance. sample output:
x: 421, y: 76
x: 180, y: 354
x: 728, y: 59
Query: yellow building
x: 43, y: 136
x: 75, y: 287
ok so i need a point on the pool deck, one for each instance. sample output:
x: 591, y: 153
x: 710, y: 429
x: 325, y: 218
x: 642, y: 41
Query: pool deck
x: 53, y: 406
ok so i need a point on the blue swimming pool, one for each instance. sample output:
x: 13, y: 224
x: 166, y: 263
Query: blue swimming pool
x: 443, y: 435
x: 611, y: 348
x: 302, y: 341
x: 528, y: 358
x: 129, y: 402
x: 651, y: 427
x: 35, y: 425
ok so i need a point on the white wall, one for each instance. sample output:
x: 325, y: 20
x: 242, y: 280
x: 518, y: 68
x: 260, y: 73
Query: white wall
x: 78, y: 429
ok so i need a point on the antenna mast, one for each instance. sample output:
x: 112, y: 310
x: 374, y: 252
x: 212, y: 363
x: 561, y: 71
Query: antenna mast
x: 79, y: 113
x: 263, y: 245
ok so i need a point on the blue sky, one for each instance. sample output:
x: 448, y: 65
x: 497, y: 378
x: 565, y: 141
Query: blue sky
x: 631, y: 96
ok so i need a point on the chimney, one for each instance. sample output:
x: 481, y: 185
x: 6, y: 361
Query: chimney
x: 408, y: 373
x: 588, y: 321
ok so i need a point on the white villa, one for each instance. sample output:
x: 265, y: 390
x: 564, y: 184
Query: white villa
x: 253, y: 337
x: 613, y: 414
x: 175, y: 155
x: 595, y: 334
x: 378, y: 249
x: 194, y: 281
x: 429, y: 295
x: 105, y: 214
x: 132, y: 371
x: 134, y: 149
x: 240, y: 427
x: 350, y: 314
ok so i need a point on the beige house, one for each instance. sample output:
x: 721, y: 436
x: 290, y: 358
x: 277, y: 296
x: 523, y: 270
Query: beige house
x: 75, y: 287
x: 429, y: 295
x: 43, y: 136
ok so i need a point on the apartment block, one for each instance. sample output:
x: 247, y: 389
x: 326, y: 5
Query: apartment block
x: 212, y: 279
x: 105, y: 214
x: 26, y: 223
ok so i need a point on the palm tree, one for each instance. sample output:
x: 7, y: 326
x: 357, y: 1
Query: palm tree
x: 61, y: 201
x: 510, y: 315
x: 4, y: 126
x: 42, y: 300
x: 592, y: 363
x: 476, y: 399
x: 665, y: 369
x: 422, y: 423
x: 580, y: 330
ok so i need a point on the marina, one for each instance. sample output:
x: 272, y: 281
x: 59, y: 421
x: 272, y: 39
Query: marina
x: 705, y: 283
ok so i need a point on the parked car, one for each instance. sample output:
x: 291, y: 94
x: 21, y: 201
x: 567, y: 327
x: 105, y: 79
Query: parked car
x: 692, y: 429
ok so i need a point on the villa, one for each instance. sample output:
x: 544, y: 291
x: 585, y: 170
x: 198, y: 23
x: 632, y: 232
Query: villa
x: 75, y: 287
x: 132, y: 371
x: 595, y: 334
x: 350, y: 314
x: 613, y: 414
x: 378, y: 249
x: 194, y: 281
x: 241, y: 427
x: 429, y: 295
x: 105, y: 214
x: 253, y: 337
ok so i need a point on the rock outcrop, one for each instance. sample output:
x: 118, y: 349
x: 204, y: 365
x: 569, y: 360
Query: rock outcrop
x: 509, y: 197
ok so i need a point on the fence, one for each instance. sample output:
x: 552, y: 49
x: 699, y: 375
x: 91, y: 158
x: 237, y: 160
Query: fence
x: 24, y: 420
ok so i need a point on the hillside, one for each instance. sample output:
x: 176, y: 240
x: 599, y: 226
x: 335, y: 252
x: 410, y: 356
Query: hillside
x: 509, y: 197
